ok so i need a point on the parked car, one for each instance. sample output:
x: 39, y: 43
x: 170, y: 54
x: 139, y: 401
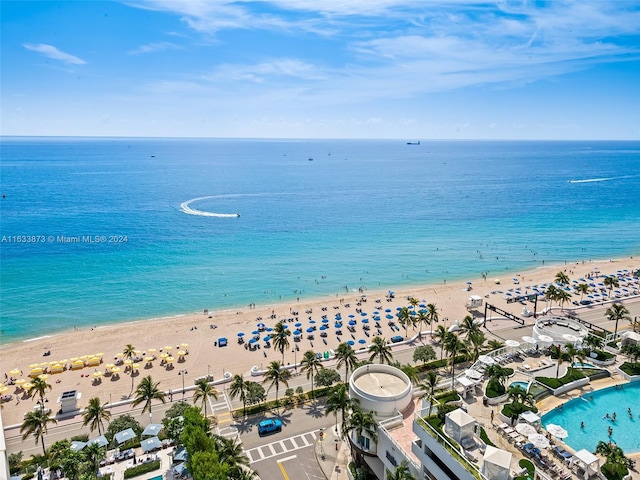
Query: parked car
x: 397, y: 338
x: 269, y: 426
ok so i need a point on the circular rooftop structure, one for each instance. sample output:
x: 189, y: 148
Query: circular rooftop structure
x: 382, y: 389
x: 560, y: 329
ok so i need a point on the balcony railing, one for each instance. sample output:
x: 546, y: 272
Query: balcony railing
x: 386, y: 426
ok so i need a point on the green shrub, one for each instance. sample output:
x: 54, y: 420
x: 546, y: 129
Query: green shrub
x: 602, y: 355
x: 614, y: 471
x: 142, y: 468
x: 553, y: 382
x: 448, y: 396
x: 485, y: 438
x: 630, y: 368
x: 495, y: 389
x: 27, y: 476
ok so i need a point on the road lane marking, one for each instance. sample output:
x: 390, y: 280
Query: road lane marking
x: 261, y: 452
x: 287, y: 458
x: 283, y: 471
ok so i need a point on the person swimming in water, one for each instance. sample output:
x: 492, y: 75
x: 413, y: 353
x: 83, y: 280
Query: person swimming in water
x: 582, y: 425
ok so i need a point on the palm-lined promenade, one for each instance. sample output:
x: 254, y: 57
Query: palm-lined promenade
x: 341, y: 327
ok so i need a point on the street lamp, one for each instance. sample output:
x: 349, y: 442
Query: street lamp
x: 182, y: 373
x: 295, y: 359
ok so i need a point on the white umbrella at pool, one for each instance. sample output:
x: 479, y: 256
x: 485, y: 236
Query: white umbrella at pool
x: 569, y: 337
x: 486, y: 359
x: 538, y: 440
x: 528, y: 339
x: 473, y: 374
x: 545, y: 339
x: 557, y: 431
x: 525, y: 429
x: 512, y: 343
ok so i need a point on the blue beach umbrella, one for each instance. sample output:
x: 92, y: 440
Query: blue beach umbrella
x: 389, y: 316
x: 298, y: 324
x: 312, y: 321
x: 337, y: 325
x: 309, y: 330
x: 267, y: 338
x: 297, y: 332
x: 398, y: 308
x: 376, y: 312
x: 338, y: 316
x: 261, y: 325
x: 270, y: 329
x: 241, y: 334
x: 365, y: 320
x: 324, y: 327
x: 362, y: 341
x: 255, y: 332
x: 387, y: 310
x: 352, y: 322
x: 253, y: 340
x: 376, y: 318
x: 350, y: 342
x: 285, y: 327
x: 351, y: 315
x: 325, y: 320
x: 363, y: 314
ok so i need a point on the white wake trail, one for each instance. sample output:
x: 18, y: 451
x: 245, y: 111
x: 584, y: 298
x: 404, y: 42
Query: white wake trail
x: 184, y: 206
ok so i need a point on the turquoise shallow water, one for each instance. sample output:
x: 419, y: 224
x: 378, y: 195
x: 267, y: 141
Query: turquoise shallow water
x: 372, y: 214
x: 591, y: 409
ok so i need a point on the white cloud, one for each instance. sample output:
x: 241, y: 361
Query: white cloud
x: 52, y: 52
x: 154, y: 47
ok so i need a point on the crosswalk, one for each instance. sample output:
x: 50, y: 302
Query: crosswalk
x: 279, y: 447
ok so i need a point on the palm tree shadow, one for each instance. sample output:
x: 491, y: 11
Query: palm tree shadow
x: 285, y: 417
x: 243, y: 426
x: 314, y: 410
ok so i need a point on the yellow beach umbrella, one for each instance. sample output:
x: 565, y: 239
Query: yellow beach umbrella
x: 115, y: 370
x: 181, y: 353
x: 99, y: 354
x: 119, y: 354
x: 74, y: 359
x: 3, y: 390
x: 57, y: 368
x: 169, y: 359
x: 164, y: 355
x: 150, y: 358
x: 64, y: 360
x: 97, y: 374
x: 151, y: 350
x: 128, y: 361
x: 109, y: 366
x: 135, y: 366
x: 20, y: 382
x: 15, y: 371
x: 35, y: 372
x: 27, y: 386
x: 184, y: 345
x: 44, y: 376
x: 34, y: 365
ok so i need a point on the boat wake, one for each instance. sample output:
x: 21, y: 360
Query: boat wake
x: 184, y: 206
x: 604, y: 179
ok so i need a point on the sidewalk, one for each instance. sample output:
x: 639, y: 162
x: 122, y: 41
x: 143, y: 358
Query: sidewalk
x: 333, y: 455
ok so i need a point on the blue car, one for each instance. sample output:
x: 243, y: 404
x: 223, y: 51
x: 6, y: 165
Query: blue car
x: 269, y: 426
x: 397, y: 338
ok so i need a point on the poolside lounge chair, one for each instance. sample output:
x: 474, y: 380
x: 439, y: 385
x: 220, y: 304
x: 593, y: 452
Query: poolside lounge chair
x: 468, y: 443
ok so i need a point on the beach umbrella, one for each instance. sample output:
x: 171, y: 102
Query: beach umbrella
x: 309, y: 330
x: 168, y: 347
x: 569, y: 337
x: 261, y: 325
x: 298, y: 324
x: 27, y: 386
x: 363, y: 314
x: 124, y: 435
x: 389, y: 316
x: 164, y: 355
x: 297, y: 332
x: 270, y: 329
x: 150, y: 444
x: 338, y: 316
x: 350, y: 342
x: 97, y: 374
x: 312, y: 322
x: 169, y: 359
x: 387, y: 310
x: 44, y: 376
x: 285, y: 327
x: 351, y: 315
x: 267, y: 338
x: 128, y: 361
x: 149, y: 359
x: 253, y: 340
x: 528, y: 339
x: 337, y: 325
x: 184, y: 345
x: 255, y: 332
x: 3, y: 390
x: 324, y: 327
x: 15, y: 371
x: 525, y: 429
x: 135, y: 366
x: 486, y: 359
x: 151, y: 350
x: 76, y: 446
x: 101, y: 441
x: 115, y: 370
x: 557, y: 431
x: 352, y: 322
x: 545, y: 338
x: 469, y: 283
x: 362, y: 341
x: 538, y: 440
x: 241, y: 334
x: 325, y: 320
x: 512, y: 343
x: 181, y: 353
x: 365, y: 320
x: 152, y: 430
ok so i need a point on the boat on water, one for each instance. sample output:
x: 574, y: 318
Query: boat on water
x: 414, y: 143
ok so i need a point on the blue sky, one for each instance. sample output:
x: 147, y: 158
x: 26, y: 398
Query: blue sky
x: 414, y: 69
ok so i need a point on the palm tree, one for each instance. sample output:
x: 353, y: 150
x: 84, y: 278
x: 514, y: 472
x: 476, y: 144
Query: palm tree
x: 496, y: 375
x: 421, y: 319
x: 203, y: 392
x: 562, y: 296
x: 401, y: 472
x: 238, y: 389
x: 433, y: 315
x: 453, y: 346
x: 411, y: 372
x: 230, y: 452
x: 346, y: 356
x: 128, y: 354
x: 617, y: 312
x: 405, y: 316
x: 279, y: 338
x: 469, y: 327
x: 362, y: 422
x: 95, y: 414
x: 556, y: 351
x: 573, y: 354
x: 277, y: 375
x: 93, y: 454
x: 494, y: 344
x: 582, y: 288
x: 39, y: 388
x: 310, y: 363
x: 611, y: 452
x: 562, y: 278
x: 146, y: 392
x: 428, y: 388
x: 380, y: 349
x: 440, y: 336
x: 338, y: 401
x: 474, y: 343
x: 551, y: 294
x: 611, y: 282
x: 36, y: 423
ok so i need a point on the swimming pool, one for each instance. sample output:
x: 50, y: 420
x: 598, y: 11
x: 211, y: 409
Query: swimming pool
x: 523, y: 385
x: 584, y: 365
x: 592, y: 409
x: 159, y: 477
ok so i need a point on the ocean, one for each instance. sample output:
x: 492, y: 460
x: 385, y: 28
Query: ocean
x: 104, y: 230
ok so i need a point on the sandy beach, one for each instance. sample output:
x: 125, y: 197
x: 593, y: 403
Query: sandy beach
x: 194, y: 334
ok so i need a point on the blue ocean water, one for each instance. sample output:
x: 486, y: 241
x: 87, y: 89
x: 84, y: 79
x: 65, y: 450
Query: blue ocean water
x: 316, y: 217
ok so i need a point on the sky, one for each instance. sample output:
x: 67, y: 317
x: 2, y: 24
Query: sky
x: 402, y: 69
